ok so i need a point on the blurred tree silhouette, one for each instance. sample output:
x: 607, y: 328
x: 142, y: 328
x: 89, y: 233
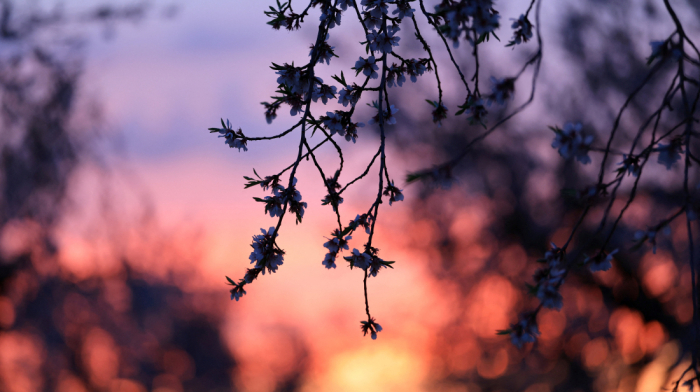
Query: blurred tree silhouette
x: 62, y: 334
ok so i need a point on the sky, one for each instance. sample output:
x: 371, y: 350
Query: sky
x: 162, y: 82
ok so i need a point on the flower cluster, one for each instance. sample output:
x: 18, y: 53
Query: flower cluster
x: 403, y: 9
x: 367, y: 66
x: 393, y: 192
x: 416, y: 67
x: 270, y: 110
x: 524, y: 331
x: 323, y: 52
x: 281, y: 196
x: 601, y: 261
x: 523, y: 30
x: 501, y: 91
x: 265, y: 254
x: 663, y: 49
x: 339, y: 122
x: 333, y: 197
x: 335, y: 245
x: 461, y: 17
x: 349, y: 95
x: 374, y: 12
x: 384, y: 41
x: 670, y: 153
x: 237, y: 291
x: 549, y: 278
x: 572, y: 142
x: 376, y: 263
x: 368, y: 261
x: 475, y: 109
x: 323, y: 92
x: 630, y: 165
x: 387, y: 114
x: 234, y: 139
x: 439, y: 112
x: 370, y: 326
x: 364, y: 221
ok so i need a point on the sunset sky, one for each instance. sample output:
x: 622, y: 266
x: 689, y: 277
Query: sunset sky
x: 170, y: 194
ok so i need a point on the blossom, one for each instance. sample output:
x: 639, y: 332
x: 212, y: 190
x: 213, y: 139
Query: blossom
x: 525, y: 331
x: 548, y: 281
x: 349, y: 95
x: 485, y: 21
x: 288, y: 75
x: 377, y: 263
x: 670, y: 153
x: 364, y: 220
x: 237, y: 291
x: 630, y: 164
x: 250, y: 275
x: 270, y: 111
x: 601, y: 261
x: 359, y: 260
x: 501, y: 91
x: 329, y: 260
x: 235, y: 139
x: 333, y: 121
x: 393, y: 192
x: 367, y: 67
x: 395, y: 75
x: 475, y: 109
x: 370, y: 326
x: 273, y: 206
x: 523, y: 30
x: 377, y: 8
x: 403, y: 8
x: 371, y: 20
x: 554, y: 256
x: 335, y: 245
x: 351, y: 131
x: 323, y: 50
x: 323, y: 91
x: 332, y: 14
x: 296, y: 102
x: 549, y: 295
x: 571, y: 142
x: 415, y: 68
x: 265, y: 255
x: 388, y: 116
x: 642, y: 236
x: 292, y: 198
x: 463, y: 16
x: 439, y: 113
x: 295, y: 78
x: 343, y: 4
x: 385, y: 40
x: 333, y: 198
x: 663, y: 49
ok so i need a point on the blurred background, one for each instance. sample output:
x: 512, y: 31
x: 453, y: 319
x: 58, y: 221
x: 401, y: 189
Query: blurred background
x: 120, y: 214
